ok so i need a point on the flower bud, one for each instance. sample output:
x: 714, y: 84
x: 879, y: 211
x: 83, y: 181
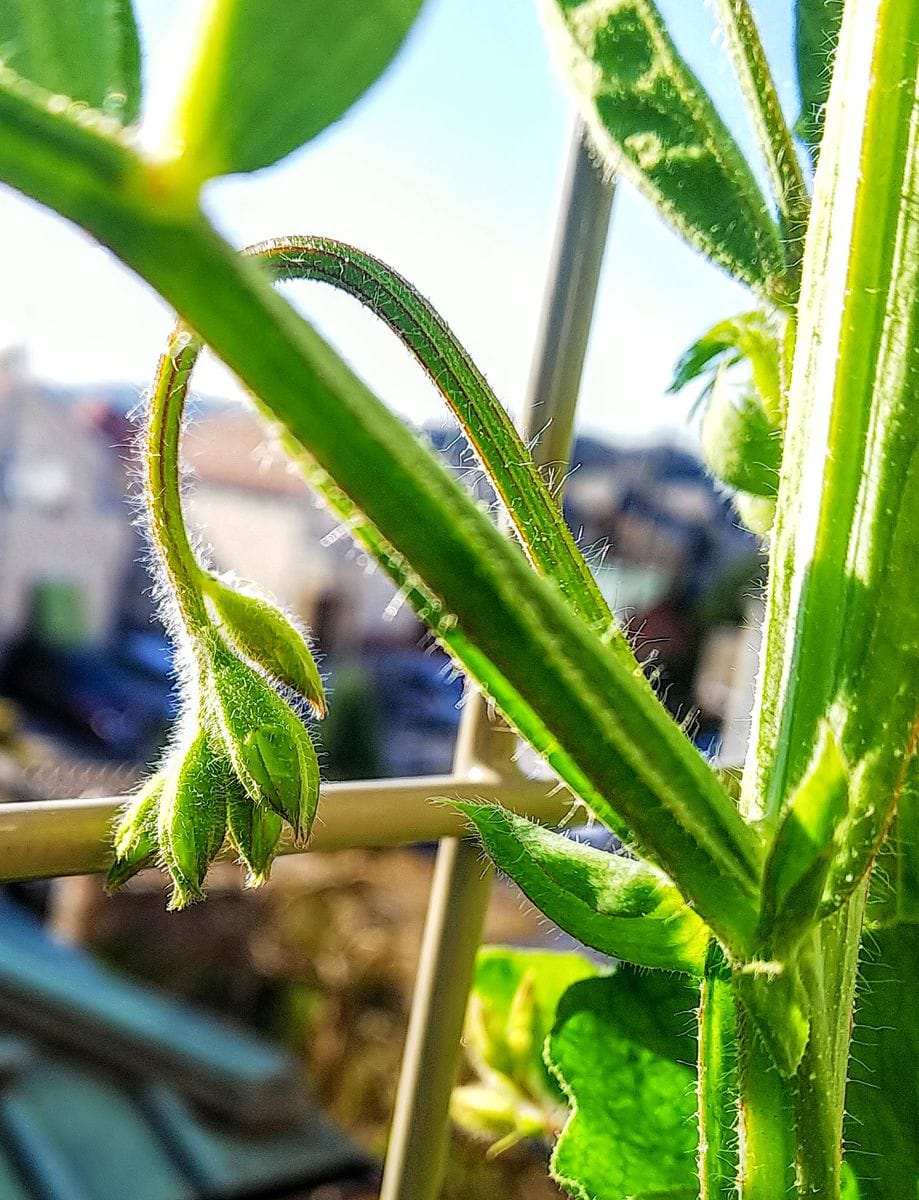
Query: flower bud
x: 263, y: 634
x: 135, y: 839
x: 192, y: 817
x: 254, y: 831
x: 268, y: 745
x: 740, y: 444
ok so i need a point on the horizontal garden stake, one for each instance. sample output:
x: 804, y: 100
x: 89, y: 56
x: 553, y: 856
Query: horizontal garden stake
x: 43, y: 839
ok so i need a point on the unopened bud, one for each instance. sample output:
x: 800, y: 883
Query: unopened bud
x: 262, y: 633
x: 268, y: 745
x: 192, y: 817
x: 135, y: 840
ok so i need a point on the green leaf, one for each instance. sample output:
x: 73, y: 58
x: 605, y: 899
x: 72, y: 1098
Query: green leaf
x: 802, y: 850
x: 775, y: 997
x: 617, y: 905
x: 260, y: 631
x: 622, y: 1050
x: 651, y: 121
x: 749, y: 338
x: 882, y: 1098
x: 268, y: 745
x: 192, y: 816
x: 817, y: 24
x: 85, y: 49
x: 269, y: 75
x: 135, y: 840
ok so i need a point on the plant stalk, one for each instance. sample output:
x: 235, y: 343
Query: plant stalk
x: 164, y: 499
x: 718, y: 1082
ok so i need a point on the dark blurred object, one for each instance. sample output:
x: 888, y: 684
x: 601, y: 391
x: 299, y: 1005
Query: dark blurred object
x: 109, y: 1090
x: 117, y: 705
x: 418, y: 694
x: 351, y: 732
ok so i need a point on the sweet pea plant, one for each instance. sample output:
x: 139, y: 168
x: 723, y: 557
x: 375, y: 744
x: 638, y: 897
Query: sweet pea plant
x: 715, y: 1060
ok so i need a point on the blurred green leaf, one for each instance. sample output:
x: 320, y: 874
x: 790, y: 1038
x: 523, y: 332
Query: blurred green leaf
x: 652, y: 121
x: 817, y: 24
x: 495, y: 1001
x: 512, y: 1005
x: 848, y: 1184
x: 85, y: 49
x: 619, y: 906
x: 624, y: 1052
x: 269, y: 75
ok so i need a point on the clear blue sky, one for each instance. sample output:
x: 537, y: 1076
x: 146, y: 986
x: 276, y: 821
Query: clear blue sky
x: 449, y: 170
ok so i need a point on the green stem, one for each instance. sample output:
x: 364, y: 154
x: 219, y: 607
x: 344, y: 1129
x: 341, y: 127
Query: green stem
x: 767, y: 1146
x: 718, y: 1082
x: 828, y: 967
x: 534, y: 513
x: 772, y: 130
x: 164, y: 499
x: 842, y: 627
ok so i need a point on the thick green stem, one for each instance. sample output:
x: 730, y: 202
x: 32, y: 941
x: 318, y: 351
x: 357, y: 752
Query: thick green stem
x: 767, y: 1145
x: 842, y: 629
x: 775, y: 137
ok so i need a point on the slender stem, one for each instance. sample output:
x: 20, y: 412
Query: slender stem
x: 533, y: 510
x: 718, y: 1082
x: 772, y: 129
x: 164, y: 500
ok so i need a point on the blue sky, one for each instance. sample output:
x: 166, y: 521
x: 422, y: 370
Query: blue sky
x: 449, y: 170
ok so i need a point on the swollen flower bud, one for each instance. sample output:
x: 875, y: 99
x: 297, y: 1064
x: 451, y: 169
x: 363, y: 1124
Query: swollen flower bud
x: 268, y: 745
x: 192, y: 817
x: 135, y: 836
x: 254, y: 831
x: 263, y: 634
x: 740, y: 443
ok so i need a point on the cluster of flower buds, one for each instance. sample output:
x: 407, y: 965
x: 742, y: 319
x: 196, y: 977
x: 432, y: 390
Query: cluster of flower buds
x: 245, y: 764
